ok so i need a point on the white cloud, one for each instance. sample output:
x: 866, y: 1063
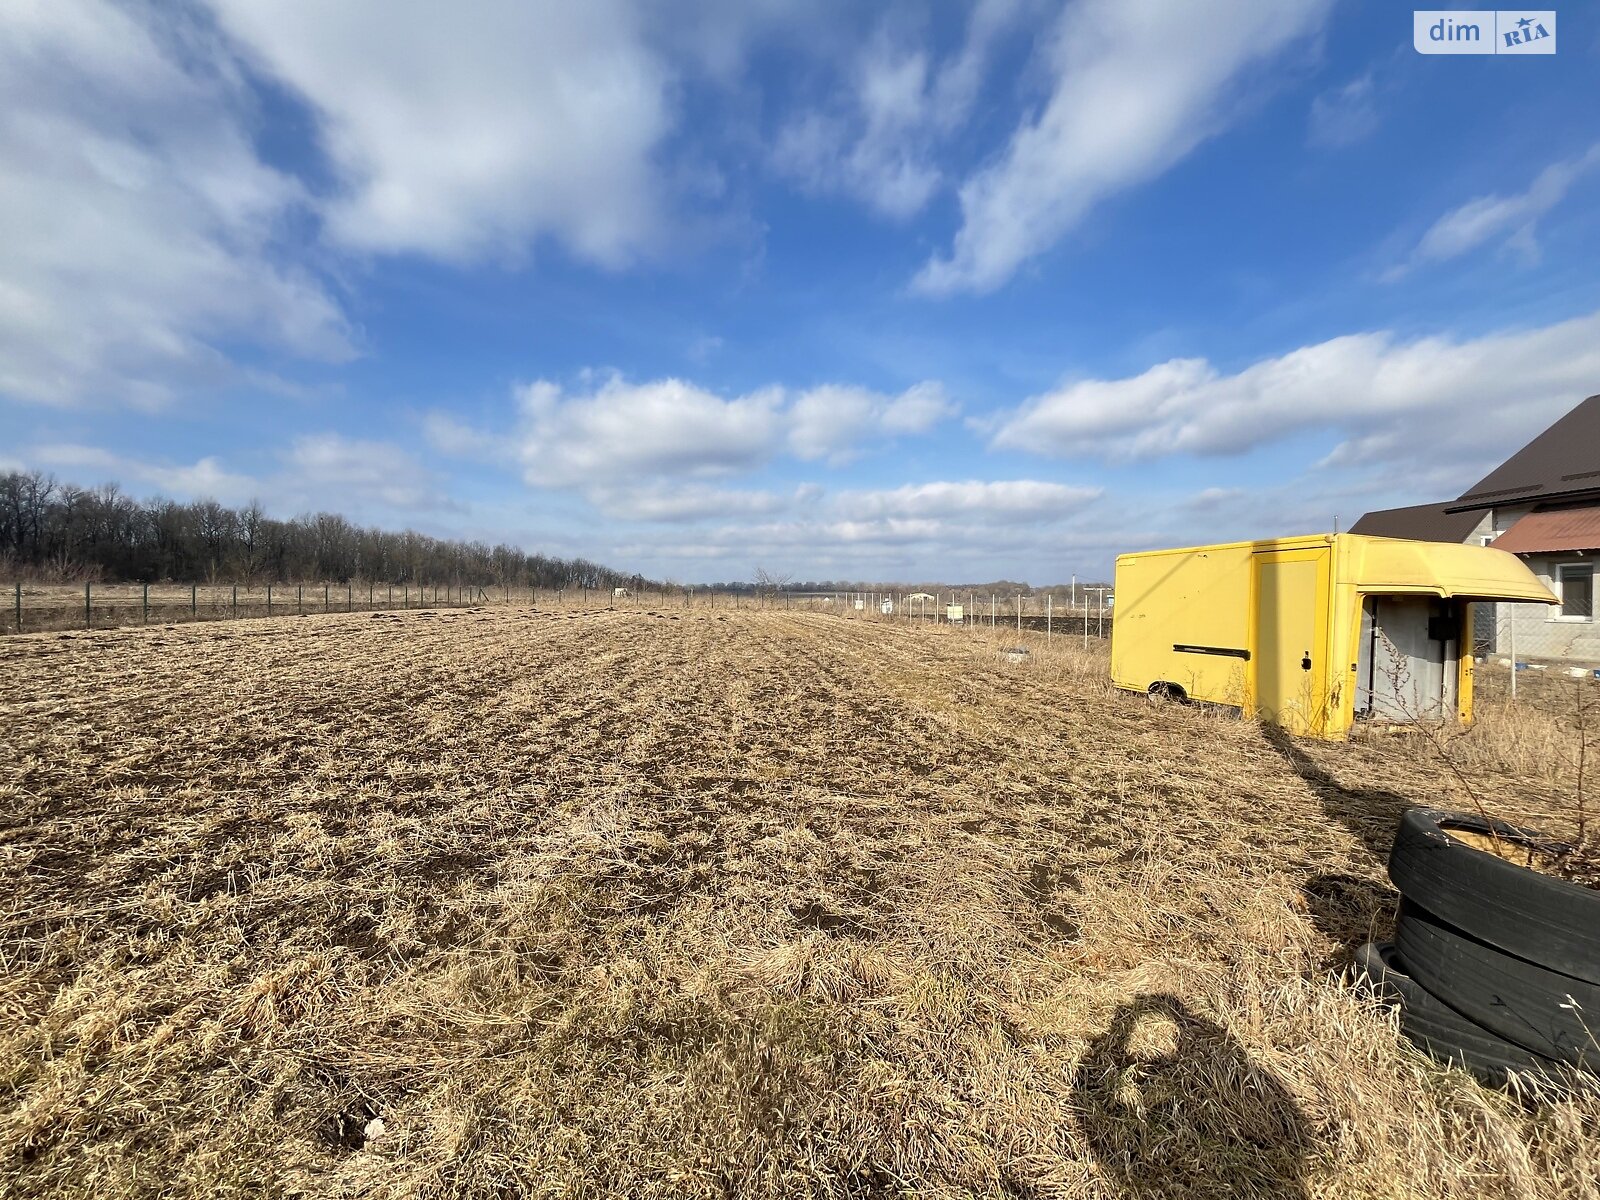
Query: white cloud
x: 1217, y: 497
x: 704, y: 347
x: 917, y: 409
x: 204, y: 479
x: 1138, y: 84
x: 622, y: 432
x: 324, y: 472
x: 456, y: 439
x: 141, y: 230
x: 878, y: 142
x: 887, y: 548
x: 467, y: 135
x: 876, y: 152
x: 680, y: 502
x: 330, y: 471
x: 618, y: 434
x: 1488, y: 217
x: 938, y: 529
x: 971, y: 498
x: 956, y: 86
x: 831, y: 422
x: 1430, y: 403
x: 1344, y: 115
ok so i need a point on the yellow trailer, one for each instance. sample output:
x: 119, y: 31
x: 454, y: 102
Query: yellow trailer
x: 1311, y: 633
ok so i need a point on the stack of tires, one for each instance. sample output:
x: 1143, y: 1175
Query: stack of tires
x: 1496, y: 966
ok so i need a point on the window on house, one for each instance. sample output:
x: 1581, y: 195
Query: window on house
x: 1577, y: 591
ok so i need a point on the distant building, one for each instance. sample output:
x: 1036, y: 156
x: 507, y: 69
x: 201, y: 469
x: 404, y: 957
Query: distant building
x: 1543, y: 505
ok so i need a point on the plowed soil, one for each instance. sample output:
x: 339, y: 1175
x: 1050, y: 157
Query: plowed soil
x: 503, y: 902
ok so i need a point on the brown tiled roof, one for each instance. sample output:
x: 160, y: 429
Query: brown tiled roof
x: 1553, y: 529
x: 1562, y: 460
x: 1421, y: 522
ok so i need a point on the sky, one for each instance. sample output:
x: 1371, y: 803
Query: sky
x: 884, y: 292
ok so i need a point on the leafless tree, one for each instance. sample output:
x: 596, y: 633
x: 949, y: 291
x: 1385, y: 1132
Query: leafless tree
x: 67, y: 533
x: 771, y: 582
x: 251, y: 555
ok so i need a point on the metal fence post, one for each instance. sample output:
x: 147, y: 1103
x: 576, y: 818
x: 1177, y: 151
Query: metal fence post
x: 88, y: 616
x: 1049, y: 617
x: 1511, y: 640
x: 1019, y: 614
x: 194, y: 603
x: 324, y: 597
x: 299, y: 599
x: 236, y: 601
x: 269, y: 599
x: 19, y: 605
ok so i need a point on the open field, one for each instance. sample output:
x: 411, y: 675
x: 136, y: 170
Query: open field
x: 37, y: 607
x: 703, y: 903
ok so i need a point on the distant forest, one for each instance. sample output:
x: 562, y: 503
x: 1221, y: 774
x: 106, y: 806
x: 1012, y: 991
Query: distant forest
x: 61, y: 532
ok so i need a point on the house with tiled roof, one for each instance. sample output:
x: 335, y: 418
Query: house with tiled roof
x: 1543, y: 505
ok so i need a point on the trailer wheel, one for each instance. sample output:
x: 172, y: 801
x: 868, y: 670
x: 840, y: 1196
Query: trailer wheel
x: 1162, y: 692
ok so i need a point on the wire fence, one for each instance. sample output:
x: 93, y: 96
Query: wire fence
x: 1089, y: 617
x: 39, y: 608
x: 1538, y: 638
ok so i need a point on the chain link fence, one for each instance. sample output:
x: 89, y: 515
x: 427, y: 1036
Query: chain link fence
x: 1536, y: 637
x: 1087, y: 616
x: 35, y: 608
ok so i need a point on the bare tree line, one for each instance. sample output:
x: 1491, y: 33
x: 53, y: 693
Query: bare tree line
x: 55, y: 531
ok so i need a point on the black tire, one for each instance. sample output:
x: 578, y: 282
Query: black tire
x: 1549, y: 922
x: 1553, y: 1015
x: 1162, y: 692
x: 1438, y: 1029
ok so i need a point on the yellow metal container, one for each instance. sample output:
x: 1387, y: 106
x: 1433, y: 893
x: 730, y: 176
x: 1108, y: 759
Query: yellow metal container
x: 1312, y: 633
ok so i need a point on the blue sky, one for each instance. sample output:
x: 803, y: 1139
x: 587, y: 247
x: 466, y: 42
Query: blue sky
x: 881, y: 292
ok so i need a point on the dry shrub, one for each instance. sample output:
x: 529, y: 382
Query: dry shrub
x: 520, y: 904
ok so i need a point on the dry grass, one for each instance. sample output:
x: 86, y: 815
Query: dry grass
x: 701, y: 904
x: 49, y: 607
x: 1534, y: 735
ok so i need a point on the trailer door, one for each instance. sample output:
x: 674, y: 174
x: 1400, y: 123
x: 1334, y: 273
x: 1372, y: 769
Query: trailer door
x: 1291, y: 617
x: 1409, y: 657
